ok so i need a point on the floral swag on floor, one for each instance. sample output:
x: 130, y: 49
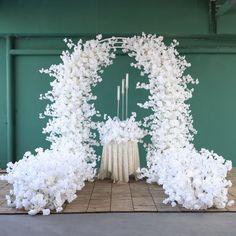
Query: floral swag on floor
x: 46, y: 180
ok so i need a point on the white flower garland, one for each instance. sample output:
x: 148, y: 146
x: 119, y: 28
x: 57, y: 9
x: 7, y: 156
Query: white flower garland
x: 71, y: 157
x: 197, y: 180
x: 44, y: 181
x: 115, y: 130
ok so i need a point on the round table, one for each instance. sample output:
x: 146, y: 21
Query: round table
x: 119, y: 161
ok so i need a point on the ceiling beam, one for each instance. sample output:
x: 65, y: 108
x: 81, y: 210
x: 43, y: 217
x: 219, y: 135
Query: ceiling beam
x: 225, y: 7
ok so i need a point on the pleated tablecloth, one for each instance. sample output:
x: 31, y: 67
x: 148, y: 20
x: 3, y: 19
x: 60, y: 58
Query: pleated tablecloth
x: 119, y: 161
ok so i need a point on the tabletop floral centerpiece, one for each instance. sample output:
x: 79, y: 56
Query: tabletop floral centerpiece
x: 116, y: 130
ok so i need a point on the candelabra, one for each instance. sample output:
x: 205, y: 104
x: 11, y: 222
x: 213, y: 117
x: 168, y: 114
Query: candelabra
x: 124, y: 98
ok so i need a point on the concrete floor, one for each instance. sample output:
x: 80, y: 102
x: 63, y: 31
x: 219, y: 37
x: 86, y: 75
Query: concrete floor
x: 122, y: 224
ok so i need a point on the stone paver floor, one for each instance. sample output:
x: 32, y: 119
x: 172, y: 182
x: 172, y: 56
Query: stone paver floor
x: 105, y: 196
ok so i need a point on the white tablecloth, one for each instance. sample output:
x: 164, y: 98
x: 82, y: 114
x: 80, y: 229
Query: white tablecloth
x: 119, y: 161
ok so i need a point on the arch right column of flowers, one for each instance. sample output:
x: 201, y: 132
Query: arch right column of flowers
x: 196, y: 180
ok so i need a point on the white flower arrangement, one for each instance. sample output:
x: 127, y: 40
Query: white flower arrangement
x: 197, y: 180
x: 115, y: 130
x: 46, y: 180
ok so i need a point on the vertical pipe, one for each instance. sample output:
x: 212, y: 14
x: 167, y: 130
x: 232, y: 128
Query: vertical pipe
x: 212, y: 17
x: 9, y: 92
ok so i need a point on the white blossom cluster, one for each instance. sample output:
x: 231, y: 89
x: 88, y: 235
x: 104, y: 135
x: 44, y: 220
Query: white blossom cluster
x: 197, y: 180
x: 44, y: 181
x: 115, y: 130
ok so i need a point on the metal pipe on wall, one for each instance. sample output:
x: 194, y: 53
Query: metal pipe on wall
x: 10, y: 101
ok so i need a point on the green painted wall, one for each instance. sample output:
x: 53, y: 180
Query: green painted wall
x: 31, y: 34
x: 107, y: 16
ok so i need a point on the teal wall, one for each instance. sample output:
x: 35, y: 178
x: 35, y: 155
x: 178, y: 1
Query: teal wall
x: 31, y: 34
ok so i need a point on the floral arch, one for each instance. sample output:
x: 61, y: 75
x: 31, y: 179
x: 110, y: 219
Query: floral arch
x: 44, y: 181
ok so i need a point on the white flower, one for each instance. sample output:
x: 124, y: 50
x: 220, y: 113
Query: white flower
x: 32, y: 212
x: 46, y: 212
x: 99, y: 36
x: 230, y: 203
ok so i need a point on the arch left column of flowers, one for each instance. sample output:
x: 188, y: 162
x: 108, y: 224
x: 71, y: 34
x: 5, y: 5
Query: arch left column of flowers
x: 44, y: 181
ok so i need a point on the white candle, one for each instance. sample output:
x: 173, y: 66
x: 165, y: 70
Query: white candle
x: 118, y: 93
x: 123, y: 86
x: 123, y: 97
x: 127, y: 80
x: 118, y: 102
x: 127, y: 89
